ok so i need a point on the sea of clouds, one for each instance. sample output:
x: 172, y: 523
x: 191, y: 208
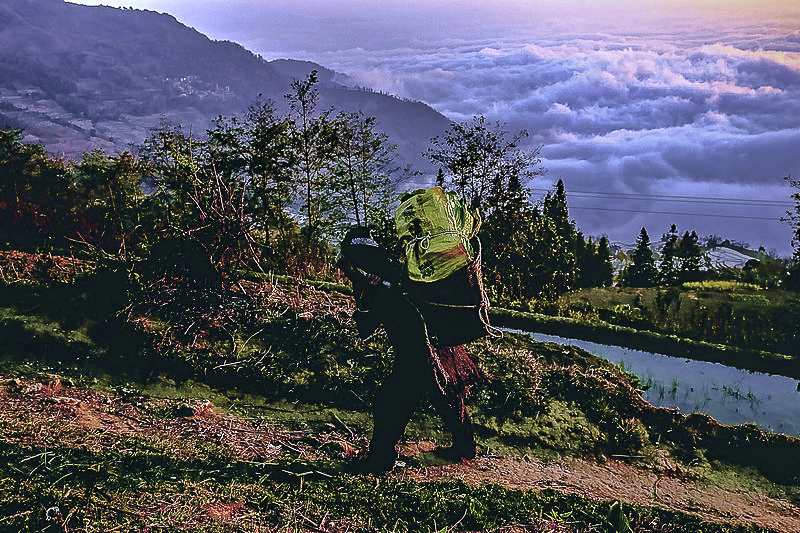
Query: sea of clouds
x: 703, y: 114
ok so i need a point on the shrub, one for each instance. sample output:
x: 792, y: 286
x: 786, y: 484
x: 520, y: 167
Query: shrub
x: 721, y: 286
x: 514, y: 388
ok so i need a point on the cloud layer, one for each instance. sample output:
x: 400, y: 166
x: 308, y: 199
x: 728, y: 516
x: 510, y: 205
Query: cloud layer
x: 671, y: 114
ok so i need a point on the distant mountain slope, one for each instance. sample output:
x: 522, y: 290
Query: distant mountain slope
x: 78, y: 77
x: 719, y: 256
x: 722, y: 256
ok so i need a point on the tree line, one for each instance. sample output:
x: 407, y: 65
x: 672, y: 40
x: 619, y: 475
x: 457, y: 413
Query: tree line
x: 682, y: 258
x: 260, y: 190
x: 273, y: 192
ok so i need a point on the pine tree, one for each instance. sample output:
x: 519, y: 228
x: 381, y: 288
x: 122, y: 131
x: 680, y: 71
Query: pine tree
x: 510, y: 248
x: 583, y: 262
x: 793, y: 218
x: 561, y: 260
x: 642, y: 271
x: 691, y: 257
x: 551, y: 267
x: 668, y: 267
x: 605, y: 270
x: 556, y: 209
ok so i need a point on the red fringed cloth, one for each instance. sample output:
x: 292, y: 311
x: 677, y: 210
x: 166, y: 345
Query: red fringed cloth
x: 455, y: 370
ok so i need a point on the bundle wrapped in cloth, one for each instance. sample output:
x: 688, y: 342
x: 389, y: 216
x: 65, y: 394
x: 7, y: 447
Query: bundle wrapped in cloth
x: 443, y: 262
x: 437, y: 229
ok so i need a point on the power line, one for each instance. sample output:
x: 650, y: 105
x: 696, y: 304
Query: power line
x: 673, y: 200
x: 743, y: 217
x: 611, y: 199
x: 679, y: 198
x: 687, y: 197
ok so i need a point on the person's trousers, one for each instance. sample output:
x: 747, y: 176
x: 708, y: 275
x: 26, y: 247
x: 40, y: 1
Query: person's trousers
x: 412, y: 379
x: 400, y: 395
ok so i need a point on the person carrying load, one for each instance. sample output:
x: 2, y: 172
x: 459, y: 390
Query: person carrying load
x: 429, y: 309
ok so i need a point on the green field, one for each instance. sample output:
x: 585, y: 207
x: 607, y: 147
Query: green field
x: 734, y: 314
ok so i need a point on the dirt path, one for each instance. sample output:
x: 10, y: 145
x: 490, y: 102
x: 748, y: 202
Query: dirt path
x: 616, y: 480
x: 41, y: 412
x: 45, y: 412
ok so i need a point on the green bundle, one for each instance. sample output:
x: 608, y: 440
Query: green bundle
x: 436, y: 228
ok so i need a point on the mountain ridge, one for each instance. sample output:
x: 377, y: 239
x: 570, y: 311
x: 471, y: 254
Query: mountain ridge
x: 80, y: 77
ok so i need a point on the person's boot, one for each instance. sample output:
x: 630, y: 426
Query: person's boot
x: 455, y: 454
x: 463, y: 446
x: 372, y: 463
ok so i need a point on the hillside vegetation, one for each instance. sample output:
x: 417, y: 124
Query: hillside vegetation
x: 104, y: 422
x: 729, y: 313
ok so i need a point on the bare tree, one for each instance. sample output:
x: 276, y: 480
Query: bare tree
x: 363, y: 167
x: 483, y: 161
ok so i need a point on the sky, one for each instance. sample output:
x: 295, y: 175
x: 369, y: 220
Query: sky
x: 657, y: 105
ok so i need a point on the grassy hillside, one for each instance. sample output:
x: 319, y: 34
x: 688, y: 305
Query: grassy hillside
x: 104, y: 421
x: 94, y: 460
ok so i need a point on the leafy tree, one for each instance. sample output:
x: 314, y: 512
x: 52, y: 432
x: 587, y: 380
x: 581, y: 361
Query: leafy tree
x: 363, y: 166
x: 15, y: 160
x: 314, y: 142
x: 108, y: 202
x: 46, y: 202
x: 219, y: 194
x: 35, y: 193
x: 271, y: 162
x: 642, y: 271
x: 768, y: 271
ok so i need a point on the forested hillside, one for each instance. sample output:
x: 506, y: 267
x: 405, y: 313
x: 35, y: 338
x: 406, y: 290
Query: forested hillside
x: 78, y: 77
